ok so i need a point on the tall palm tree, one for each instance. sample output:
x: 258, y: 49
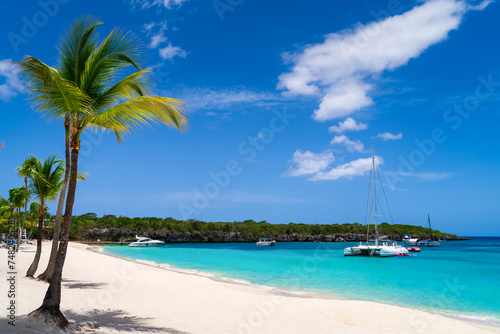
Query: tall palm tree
x: 84, y: 87
x: 24, y: 171
x: 47, y: 274
x: 45, y: 183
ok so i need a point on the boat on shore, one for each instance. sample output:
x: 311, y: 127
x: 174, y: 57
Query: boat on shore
x: 146, y: 242
x: 266, y: 242
x: 384, y: 249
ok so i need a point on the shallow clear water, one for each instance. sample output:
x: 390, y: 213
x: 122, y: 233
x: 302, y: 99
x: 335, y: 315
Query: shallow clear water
x: 459, y: 278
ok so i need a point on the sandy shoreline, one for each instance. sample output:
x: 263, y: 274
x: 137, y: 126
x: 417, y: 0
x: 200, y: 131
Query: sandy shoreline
x: 125, y: 296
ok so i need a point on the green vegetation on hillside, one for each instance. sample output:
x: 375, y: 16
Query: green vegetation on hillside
x: 248, y: 228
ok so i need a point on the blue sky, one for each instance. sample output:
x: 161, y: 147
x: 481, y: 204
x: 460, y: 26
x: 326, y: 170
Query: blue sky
x: 285, y: 98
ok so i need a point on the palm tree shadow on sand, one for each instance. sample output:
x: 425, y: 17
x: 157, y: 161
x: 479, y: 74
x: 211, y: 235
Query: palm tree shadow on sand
x: 100, y: 321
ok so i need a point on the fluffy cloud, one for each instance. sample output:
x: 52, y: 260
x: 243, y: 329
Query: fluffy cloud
x: 308, y: 163
x: 348, y: 125
x: 389, y: 136
x: 350, y: 145
x: 349, y: 170
x: 317, y: 166
x: 12, y: 85
x: 339, y: 69
x: 170, y: 52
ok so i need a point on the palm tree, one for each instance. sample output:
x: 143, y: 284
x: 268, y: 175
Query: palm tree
x: 4, y: 210
x: 47, y: 274
x: 82, y: 88
x: 24, y: 171
x: 34, y: 206
x: 16, y: 200
x: 45, y: 183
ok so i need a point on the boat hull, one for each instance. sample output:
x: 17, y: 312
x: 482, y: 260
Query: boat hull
x: 146, y: 244
x: 376, y: 250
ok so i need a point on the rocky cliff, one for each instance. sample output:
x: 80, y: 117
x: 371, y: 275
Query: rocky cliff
x: 115, y: 234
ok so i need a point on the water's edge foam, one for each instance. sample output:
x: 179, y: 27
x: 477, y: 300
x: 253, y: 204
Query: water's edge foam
x: 471, y: 318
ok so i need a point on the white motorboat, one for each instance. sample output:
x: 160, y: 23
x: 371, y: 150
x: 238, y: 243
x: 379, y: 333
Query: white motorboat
x: 146, y: 242
x: 266, y: 242
x: 375, y: 248
x: 426, y: 242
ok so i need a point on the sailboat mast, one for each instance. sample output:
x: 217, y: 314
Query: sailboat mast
x: 430, y: 228
x: 374, y: 193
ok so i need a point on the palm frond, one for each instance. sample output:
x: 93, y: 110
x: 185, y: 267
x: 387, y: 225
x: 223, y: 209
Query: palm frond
x: 76, y: 47
x: 139, y: 112
x: 119, y: 50
x: 128, y: 88
x: 49, y: 92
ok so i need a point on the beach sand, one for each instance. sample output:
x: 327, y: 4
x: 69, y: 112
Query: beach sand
x: 124, y: 296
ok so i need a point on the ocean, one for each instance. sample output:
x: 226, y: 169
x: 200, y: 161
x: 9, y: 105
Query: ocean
x: 460, y: 278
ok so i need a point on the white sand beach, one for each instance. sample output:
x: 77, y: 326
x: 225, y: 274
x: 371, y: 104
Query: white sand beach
x: 123, y: 296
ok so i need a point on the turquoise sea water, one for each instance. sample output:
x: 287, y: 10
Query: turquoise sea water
x: 460, y: 278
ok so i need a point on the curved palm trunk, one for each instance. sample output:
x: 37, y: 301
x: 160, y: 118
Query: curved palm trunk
x: 50, y: 311
x: 34, y: 266
x: 47, y: 274
x: 24, y: 219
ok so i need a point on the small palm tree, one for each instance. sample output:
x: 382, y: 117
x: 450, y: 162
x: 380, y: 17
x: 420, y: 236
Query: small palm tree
x: 45, y: 183
x: 16, y: 200
x: 34, y: 206
x: 4, y: 210
x: 84, y: 88
x: 24, y: 171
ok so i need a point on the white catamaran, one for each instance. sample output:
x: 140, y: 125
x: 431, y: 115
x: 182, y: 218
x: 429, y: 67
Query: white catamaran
x: 375, y: 248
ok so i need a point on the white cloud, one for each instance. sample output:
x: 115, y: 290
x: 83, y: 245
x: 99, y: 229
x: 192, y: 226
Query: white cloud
x: 145, y: 4
x: 213, y: 98
x: 348, y: 125
x: 343, y: 99
x: 389, y: 136
x: 349, y: 170
x: 307, y: 163
x: 340, y: 69
x: 430, y: 176
x: 12, y: 85
x: 157, y: 39
x: 170, y: 52
x: 350, y: 145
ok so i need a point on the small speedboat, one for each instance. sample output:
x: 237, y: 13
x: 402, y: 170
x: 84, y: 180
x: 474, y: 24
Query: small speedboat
x: 146, y: 242
x: 266, y: 242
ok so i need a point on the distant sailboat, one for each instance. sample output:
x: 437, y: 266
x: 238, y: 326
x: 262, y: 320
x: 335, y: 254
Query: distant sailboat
x: 375, y: 249
x: 428, y: 242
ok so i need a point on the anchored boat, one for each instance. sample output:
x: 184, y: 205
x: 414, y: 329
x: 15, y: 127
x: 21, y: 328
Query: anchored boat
x: 427, y: 242
x: 266, y: 242
x: 146, y: 242
x: 384, y: 249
